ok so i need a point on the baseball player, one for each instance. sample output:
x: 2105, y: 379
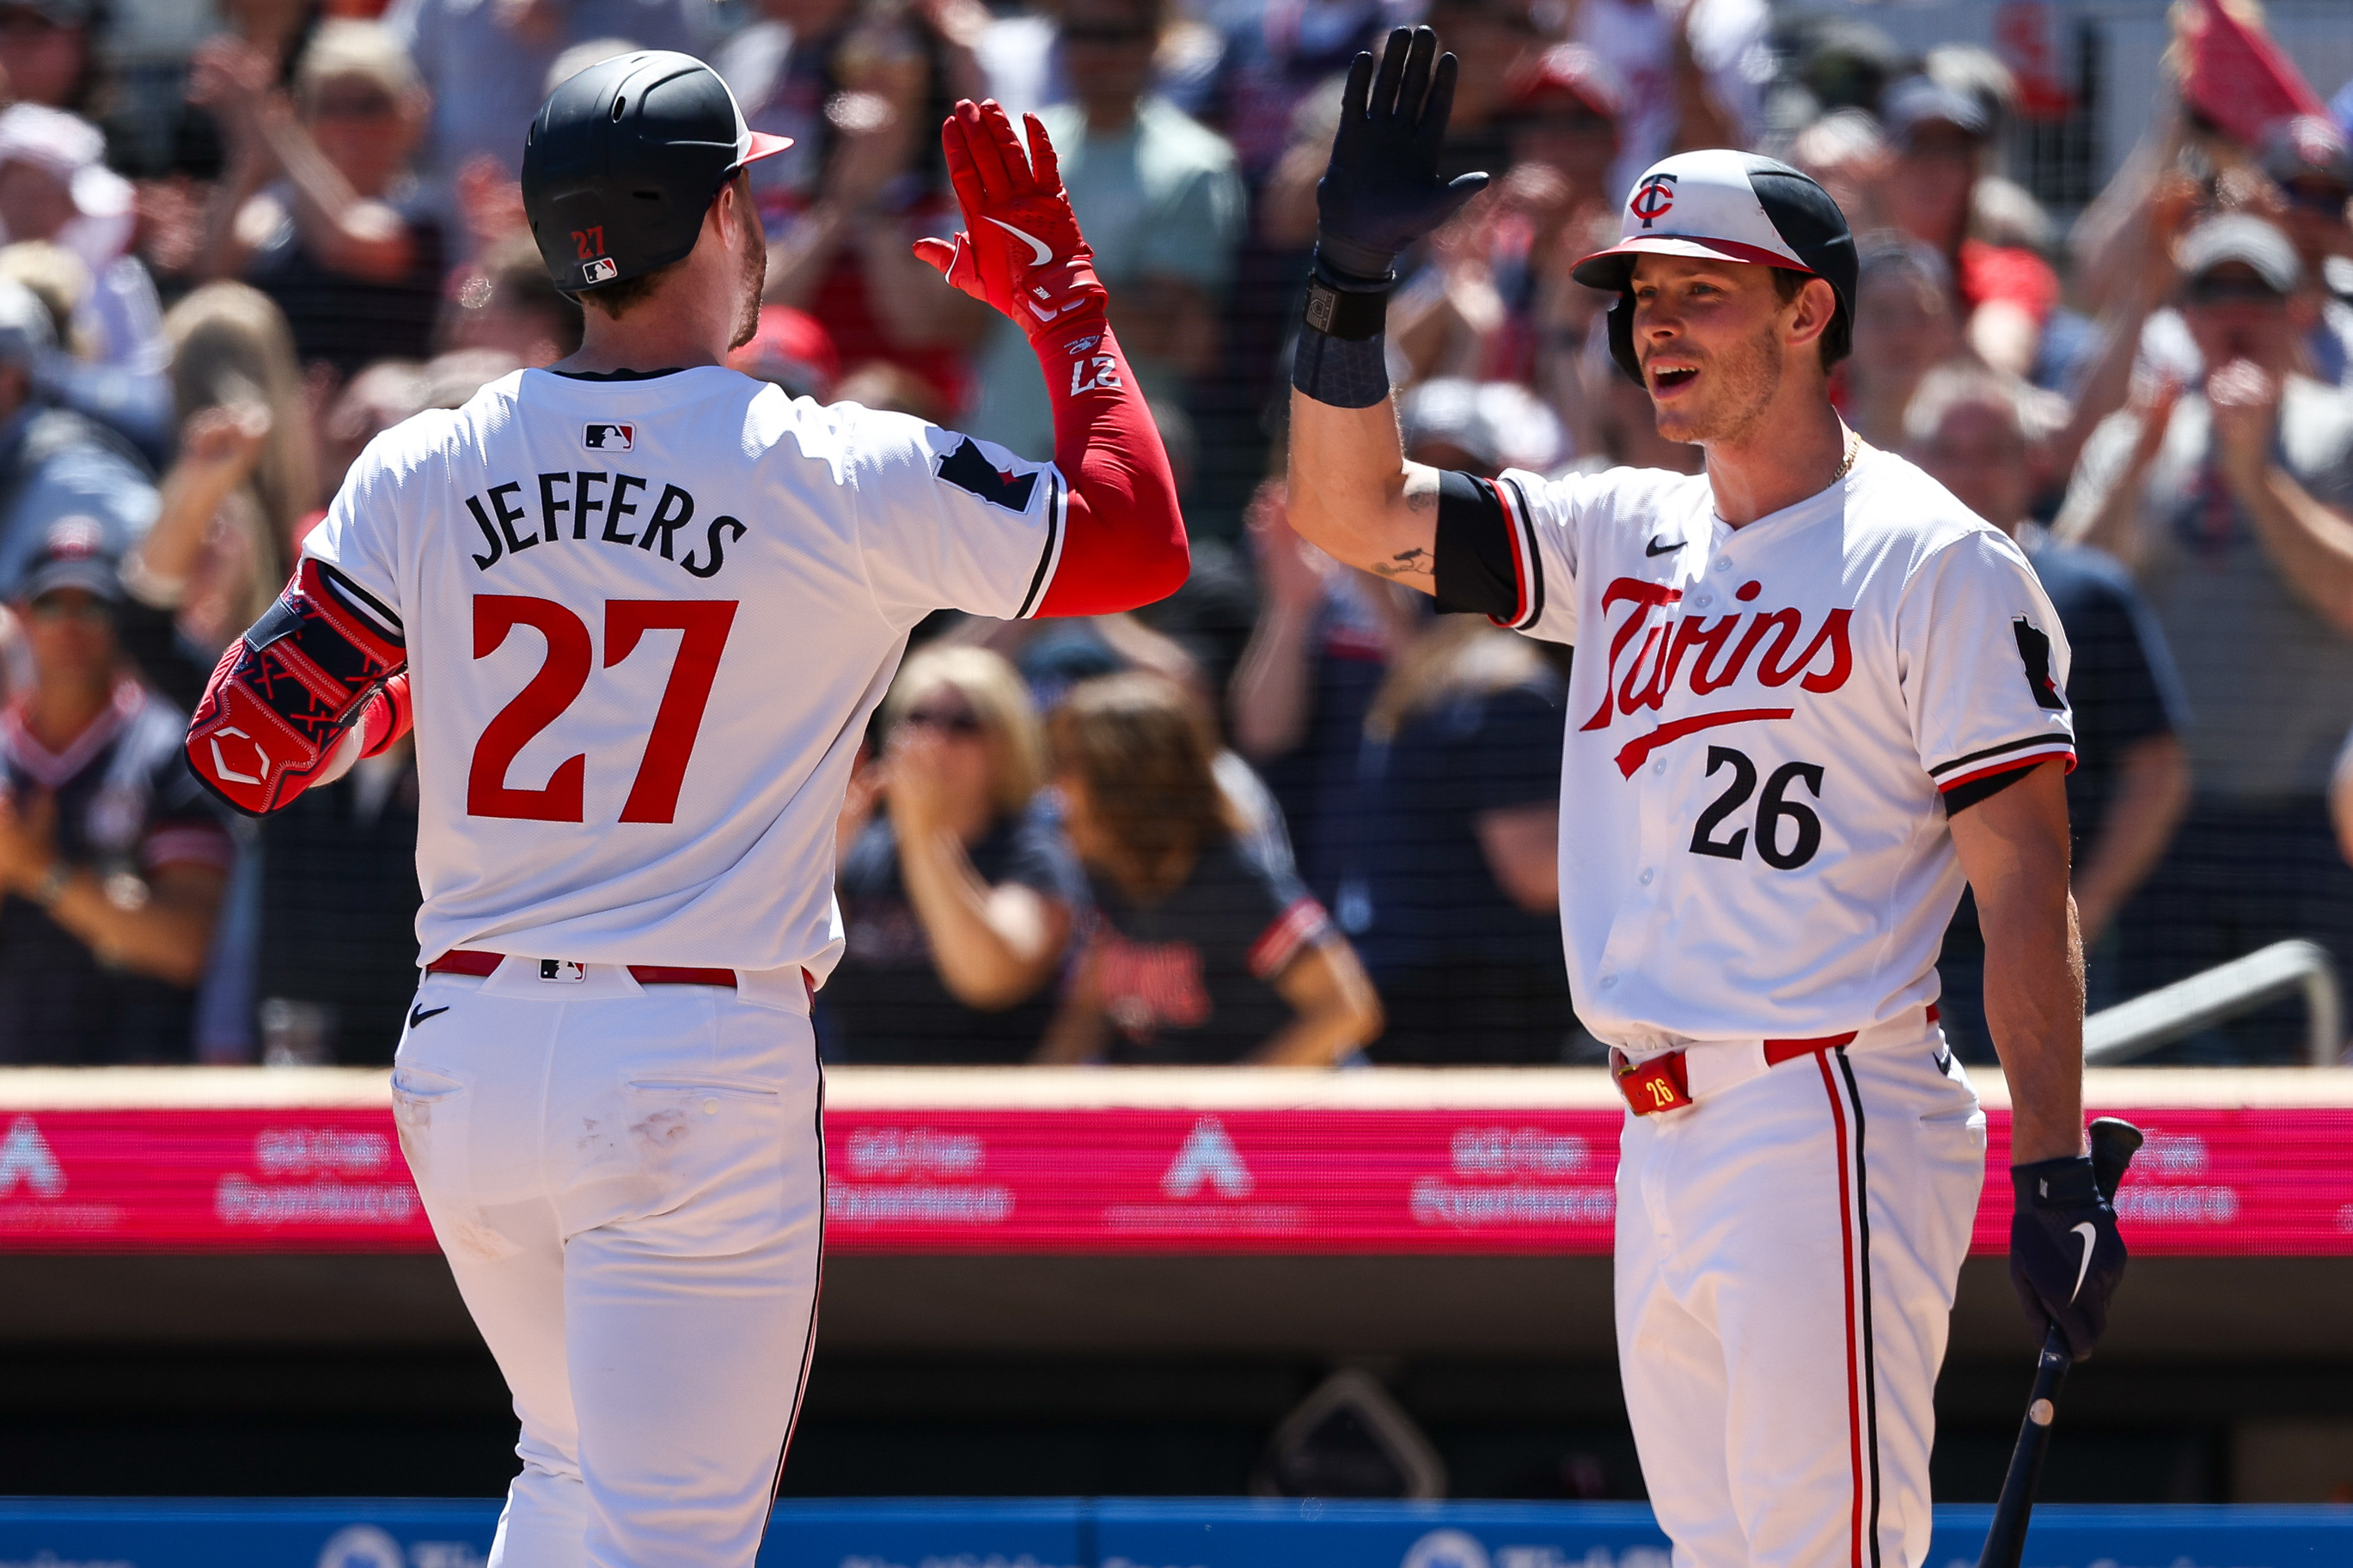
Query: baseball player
x: 1812, y: 694
x: 640, y: 608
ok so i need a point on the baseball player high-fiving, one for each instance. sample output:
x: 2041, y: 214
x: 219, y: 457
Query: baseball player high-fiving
x: 640, y: 608
x: 1812, y: 694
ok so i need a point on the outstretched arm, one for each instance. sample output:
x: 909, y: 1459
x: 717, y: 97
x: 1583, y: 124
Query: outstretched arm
x: 1352, y: 491
x: 1123, y: 537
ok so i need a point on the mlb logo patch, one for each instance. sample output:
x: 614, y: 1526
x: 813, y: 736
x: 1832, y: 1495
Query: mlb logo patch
x: 562, y: 971
x: 599, y: 270
x: 609, y: 438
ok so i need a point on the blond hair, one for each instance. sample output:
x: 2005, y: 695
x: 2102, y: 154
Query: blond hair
x: 231, y: 346
x: 999, y: 699
x: 371, y: 50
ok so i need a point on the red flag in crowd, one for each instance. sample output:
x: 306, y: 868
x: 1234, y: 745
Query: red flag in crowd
x: 2237, y: 77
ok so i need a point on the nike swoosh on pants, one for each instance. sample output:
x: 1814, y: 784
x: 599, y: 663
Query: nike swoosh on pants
x: 417, y: 1015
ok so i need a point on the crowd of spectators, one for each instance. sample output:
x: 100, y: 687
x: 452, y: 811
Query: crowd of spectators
x: 1288, y: 815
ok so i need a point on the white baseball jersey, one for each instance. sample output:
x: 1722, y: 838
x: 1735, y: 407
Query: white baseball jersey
x: 646, y: 621
x: 1761, y: 720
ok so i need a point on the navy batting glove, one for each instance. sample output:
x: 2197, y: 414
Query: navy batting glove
x: 1381, y: 190
x: 2066, y: 1256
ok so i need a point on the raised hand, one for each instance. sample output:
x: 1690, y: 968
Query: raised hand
x: 1021, y: 250
x: 1381, y: 190
x: 2244, y: 399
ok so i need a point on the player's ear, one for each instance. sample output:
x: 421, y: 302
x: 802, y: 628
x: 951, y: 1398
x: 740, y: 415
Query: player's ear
x: 1811, y: 312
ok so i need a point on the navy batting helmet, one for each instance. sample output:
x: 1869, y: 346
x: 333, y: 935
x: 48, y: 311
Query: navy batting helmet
x: 1735, y: 207
x: 622, y: 161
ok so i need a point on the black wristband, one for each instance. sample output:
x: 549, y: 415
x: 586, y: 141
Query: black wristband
x: 1345, y: 312
x: 1340, y: 373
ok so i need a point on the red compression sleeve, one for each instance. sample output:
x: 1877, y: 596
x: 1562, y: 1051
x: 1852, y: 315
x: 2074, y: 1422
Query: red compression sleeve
x: 1123, y: 536
x: 388, y: 718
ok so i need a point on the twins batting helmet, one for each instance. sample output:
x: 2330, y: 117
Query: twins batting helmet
x: 1733, y: 206
x: 622, y: 161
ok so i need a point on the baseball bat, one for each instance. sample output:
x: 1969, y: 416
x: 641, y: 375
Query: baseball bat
x: 2114, y: 1143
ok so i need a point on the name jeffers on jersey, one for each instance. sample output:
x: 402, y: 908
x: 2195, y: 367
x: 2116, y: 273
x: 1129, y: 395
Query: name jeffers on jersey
x: 569, y: 502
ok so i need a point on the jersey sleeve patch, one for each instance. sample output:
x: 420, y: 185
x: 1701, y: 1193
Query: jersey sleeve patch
x: 2035, y: 652
x: 1486, y: 560
x: 967, y: 469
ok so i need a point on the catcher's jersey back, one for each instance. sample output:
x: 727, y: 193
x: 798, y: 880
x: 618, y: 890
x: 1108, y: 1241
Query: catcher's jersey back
x: 646, y: 621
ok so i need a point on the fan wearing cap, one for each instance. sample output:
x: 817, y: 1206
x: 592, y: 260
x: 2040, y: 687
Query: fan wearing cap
x: 1940, y: 135
x: 640, y: 606
x: 1814, y: 695
x: 2230, y: 501
x: 112, y: 863
x: 2311, y: 161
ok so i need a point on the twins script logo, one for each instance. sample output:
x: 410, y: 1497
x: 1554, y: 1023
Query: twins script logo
x: 1694, y: 648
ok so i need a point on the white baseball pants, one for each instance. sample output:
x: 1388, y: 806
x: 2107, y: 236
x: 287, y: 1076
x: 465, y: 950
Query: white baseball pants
x: 628, y: 1182
x: 1786, y: 1253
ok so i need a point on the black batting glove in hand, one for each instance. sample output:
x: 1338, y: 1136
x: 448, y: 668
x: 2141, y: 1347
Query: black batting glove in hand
x: 2066, y: 1256
x: 1381, y: 190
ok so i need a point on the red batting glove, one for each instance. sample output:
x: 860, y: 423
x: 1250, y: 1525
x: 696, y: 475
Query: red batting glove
x: 1021, y: 250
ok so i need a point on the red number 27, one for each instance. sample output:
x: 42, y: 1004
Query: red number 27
x: 703, y: 625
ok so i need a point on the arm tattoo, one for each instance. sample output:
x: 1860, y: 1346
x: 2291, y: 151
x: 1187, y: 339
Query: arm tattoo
x: 1414, y: 563
x: 1421, y: 490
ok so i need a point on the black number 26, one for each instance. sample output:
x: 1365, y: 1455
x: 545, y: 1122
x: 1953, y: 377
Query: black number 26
x: 1773, y: 808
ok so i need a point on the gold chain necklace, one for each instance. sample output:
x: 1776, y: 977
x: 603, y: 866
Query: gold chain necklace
x: 1853, y: 447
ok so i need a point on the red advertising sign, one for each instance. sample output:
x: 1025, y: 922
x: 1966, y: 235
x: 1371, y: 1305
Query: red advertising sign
x: 2210, y: 1182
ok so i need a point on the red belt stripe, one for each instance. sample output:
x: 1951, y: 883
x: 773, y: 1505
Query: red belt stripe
x: 462, y: 961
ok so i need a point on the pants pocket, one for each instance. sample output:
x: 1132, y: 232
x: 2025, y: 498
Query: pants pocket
x: 716, y: 1157
x: 426, y: 1103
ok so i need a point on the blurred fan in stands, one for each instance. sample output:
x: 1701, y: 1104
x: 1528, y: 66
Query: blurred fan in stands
x: 1975, y: 433
x: 2230, y: 501
x: 112, y: 861
x: 958, y: 894
x: 1197, y: 952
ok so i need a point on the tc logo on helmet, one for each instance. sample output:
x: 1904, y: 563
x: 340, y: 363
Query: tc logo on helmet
x: 1653, y: 198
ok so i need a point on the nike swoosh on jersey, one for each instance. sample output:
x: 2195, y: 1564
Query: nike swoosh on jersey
x: 1044, y: 314
x: 1655, y: 547
x: 1039, y: 252
x: 2090, y: 1235
x: 418, y: 1014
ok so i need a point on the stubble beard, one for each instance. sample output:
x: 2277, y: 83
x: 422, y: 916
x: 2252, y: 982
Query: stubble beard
x: 1748, y: 379
x: 754, y: 281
